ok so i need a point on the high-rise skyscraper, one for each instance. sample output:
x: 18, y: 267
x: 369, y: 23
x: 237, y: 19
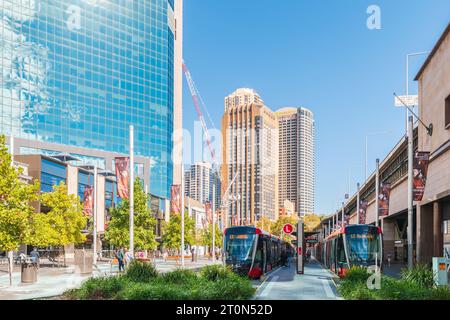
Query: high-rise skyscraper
x: 199, y: 180
x: 250, y: 155
x: 242, y: 96
x: 75, y: 75
x: 296, y: 158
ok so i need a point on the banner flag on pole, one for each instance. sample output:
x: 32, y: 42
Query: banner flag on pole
x: 362, y: 211
x: 208, y: 210
x: 175, y: 199
x: 88, y: 201
x: 383, y: 199
x: 122, y: 176
x: 420, y: 171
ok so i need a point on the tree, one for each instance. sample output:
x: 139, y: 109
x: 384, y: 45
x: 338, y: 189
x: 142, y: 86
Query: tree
x: 265, y: 224
x: 15, y: 199
x: 207, y: 236
x: 279, y: 224
x: 171, y: 237
x: 312, y: 222
x: 118, y: 232
x: 63, y: 224
x: 15, y: 208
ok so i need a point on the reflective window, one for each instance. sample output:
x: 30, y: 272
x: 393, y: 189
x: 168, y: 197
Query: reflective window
x: 80, y: 72
x: 84, y: 179
x: 52, y: 174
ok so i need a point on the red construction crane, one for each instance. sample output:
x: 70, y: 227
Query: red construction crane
x: 195, y: 97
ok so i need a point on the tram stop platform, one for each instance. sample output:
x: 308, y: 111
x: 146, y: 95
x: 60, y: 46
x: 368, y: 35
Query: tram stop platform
x: 285, y: 284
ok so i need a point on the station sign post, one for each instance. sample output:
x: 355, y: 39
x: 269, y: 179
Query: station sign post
x: 300, y: 247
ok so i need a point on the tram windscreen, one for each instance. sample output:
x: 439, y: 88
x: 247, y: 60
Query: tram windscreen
x: 363, y: 245
x: 239, y: 247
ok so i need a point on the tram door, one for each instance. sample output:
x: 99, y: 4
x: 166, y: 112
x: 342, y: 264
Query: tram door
x: 264, y: 243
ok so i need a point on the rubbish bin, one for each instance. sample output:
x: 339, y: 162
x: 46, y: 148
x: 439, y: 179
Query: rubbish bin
x: 28, y: 272
x: 84, y: 260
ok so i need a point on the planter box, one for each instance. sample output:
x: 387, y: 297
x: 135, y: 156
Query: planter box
x: 84, y: 260
x: 28, y: 272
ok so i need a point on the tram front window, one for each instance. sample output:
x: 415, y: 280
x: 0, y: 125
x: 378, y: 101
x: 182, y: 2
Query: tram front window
x: 363, y: 248
x: 239, y: 247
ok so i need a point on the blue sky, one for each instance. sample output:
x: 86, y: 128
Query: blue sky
x: 317, y: 54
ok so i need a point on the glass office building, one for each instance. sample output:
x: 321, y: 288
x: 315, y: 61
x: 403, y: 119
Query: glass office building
x: 79, y: 72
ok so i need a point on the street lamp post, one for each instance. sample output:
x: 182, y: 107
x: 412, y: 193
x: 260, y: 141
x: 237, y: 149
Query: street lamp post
x: 377, y: 191
x: 214, y: 224
x: 131, y: 191
x: 94, y: 233
x: 182, y: 215
x: 410, y: 138
x: 410, y: 193
x: 357, y: 202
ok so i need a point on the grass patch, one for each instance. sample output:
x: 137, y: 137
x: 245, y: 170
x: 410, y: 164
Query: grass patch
x: 141, y: 281
x: 414, y: 285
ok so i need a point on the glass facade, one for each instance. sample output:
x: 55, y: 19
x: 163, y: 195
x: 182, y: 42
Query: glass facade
x: 84, y: 179
x: 52, y: 174
x: 79, y: 72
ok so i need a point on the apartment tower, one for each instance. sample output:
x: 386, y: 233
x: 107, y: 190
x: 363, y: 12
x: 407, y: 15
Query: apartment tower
x: 250, y: 157
x: 296, y: 159
x: 199, y: 180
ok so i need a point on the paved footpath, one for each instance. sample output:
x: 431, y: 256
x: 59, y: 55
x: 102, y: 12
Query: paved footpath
x: 54, y: 281
x: 286, y: 284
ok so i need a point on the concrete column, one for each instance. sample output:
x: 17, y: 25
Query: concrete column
x: 438, y: 245
x: 388, y: 227
x: 424, y: 234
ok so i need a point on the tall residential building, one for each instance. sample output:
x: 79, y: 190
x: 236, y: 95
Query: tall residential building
x: 250, y: 154
x: 296, y: 160
x: 242, y: 96
x: 75, y: 75
x: 199, y: 181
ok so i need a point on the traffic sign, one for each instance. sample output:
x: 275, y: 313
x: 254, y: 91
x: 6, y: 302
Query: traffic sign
x: 288, y: 228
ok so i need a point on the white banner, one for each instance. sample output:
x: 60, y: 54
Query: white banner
x: 410, y: 101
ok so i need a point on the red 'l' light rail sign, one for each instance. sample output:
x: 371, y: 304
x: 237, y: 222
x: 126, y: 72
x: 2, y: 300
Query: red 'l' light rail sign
x: 288, y: 228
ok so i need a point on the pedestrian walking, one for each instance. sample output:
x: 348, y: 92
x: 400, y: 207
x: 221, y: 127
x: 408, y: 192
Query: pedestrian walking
x: 34, y: 254
x: 128, y: 258
x: 284, y: 259
x: 120, y: 255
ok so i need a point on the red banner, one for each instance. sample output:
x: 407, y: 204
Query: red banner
x: 420, y: 171
x: 122, y: 176
x: 362, y: 211
x: 383, y: 199
x: 208, y: 210
x: 88, y: 201
x: 175, y: 199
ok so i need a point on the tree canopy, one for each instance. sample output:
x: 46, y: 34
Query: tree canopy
x: 278, y: 225
x: 207, y: 236
x: 118, y: 232
x: 65, y: 221
x: 264, y: 224
x: 15, y: 203
x: 171, y: 237
x: 312, y: 222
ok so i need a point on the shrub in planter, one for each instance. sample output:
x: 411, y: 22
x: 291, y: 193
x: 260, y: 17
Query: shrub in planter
x: 421, y: 275
x: 139, y: 271
x: 98, y: 288
x: 216, y: 272
x: 180, y: 276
